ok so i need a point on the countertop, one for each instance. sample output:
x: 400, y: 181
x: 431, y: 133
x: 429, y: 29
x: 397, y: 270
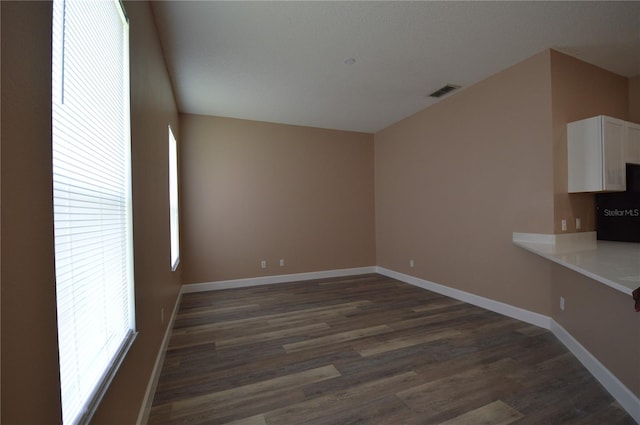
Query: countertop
x: 615, y: 264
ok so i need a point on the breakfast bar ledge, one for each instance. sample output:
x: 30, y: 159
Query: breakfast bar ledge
x: 615, y: 264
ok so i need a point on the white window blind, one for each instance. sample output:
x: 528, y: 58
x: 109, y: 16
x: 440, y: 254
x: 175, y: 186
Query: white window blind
x: 173, y: 201
x: 92, y: 199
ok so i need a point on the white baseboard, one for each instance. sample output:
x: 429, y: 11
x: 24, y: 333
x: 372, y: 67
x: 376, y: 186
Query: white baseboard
x: 143, y: 415
x: 268, y: 280
x: 486, y: 303
x: 628, y: 400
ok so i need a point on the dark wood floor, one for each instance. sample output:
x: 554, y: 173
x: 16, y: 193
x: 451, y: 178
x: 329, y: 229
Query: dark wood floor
x: 366, y: 350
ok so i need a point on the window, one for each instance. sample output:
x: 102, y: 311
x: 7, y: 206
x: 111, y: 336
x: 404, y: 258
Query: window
x: 92, y: 199
x: 173, y: 201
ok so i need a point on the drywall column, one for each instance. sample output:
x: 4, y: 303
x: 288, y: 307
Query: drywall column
x: 30, y: 370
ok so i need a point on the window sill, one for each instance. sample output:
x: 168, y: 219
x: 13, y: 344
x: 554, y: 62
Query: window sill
x: 175, y: 265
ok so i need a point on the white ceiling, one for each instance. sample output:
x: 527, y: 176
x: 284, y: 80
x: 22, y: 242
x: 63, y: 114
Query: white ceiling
x: 284, y: 61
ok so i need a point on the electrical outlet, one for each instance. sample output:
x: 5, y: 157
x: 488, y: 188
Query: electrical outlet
x: 263, y: 264
x: 562, y: 303
x: 282, y: 262
x: 411, y: 263
x: 563, y: 223
x: 578, y: 223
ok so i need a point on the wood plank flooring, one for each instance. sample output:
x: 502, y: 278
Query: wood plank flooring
x: 366, y: 350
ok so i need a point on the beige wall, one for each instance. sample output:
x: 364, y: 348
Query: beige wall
x: 579, y: 90
x: 30, y: 383
x: 152, y: 110
x: 451, y: 184
x: 29, y: 347
x: 255, y: 191
x: 602, y: 320
x: 455, y: 180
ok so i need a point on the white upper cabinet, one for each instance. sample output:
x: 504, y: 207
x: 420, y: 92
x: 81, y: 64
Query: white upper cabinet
x: 632, y: 149
x: 597, y: 148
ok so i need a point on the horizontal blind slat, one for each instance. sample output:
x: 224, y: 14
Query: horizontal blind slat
x: 92, y: 196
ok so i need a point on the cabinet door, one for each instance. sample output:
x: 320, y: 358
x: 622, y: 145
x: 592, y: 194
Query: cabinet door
x: 584, y: 146
x: 596, y: 149
x: 613, y: 137
x: 632, y: 151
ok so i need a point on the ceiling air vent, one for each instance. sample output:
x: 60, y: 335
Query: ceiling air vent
x: 444, y: 90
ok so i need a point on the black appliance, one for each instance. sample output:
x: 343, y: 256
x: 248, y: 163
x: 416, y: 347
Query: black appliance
x: 618, y: 214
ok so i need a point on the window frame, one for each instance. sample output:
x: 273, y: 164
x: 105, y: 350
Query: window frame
x: 174, y: 204
x: 93, y: 218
